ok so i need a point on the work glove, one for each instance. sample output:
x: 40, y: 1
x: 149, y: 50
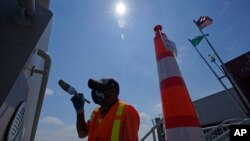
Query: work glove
x: 78, y: 102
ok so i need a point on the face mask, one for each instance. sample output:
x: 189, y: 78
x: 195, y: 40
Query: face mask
x: 97, y: 96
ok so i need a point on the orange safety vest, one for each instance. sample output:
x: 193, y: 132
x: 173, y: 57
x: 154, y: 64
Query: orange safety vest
x: 108, y: 128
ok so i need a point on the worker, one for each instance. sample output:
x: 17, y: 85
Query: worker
x: 112, y: 120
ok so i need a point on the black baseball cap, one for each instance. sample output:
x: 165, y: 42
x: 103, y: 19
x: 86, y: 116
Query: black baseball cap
x: 104, y: 83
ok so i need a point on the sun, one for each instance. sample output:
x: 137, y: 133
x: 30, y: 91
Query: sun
x: 120, y: 9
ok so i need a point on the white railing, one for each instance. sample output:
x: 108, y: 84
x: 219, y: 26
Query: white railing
x: 152, y: 130
x: 222, y: 131
x: 213, y: 132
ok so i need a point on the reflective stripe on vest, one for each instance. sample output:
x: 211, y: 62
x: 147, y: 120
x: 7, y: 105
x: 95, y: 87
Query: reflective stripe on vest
x: 117, y: 123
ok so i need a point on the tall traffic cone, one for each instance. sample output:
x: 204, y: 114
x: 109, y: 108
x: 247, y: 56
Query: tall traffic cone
x: 180, y: 119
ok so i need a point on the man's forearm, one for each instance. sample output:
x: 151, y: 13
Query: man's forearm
x: 81, y: 125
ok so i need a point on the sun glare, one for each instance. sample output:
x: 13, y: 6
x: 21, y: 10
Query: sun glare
x: 120, y: 8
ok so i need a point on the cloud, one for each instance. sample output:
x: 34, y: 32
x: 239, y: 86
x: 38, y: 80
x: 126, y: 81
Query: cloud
x: 69, y: 133
x: 144, y: 116
x: 49, y: 92
x: 158, y: 108
x: 224, y: 8
x: 122, y: 36
x: 52, y: 121
x: 145, y: 126
x: 181, y: 54
x: 230, y: 48
x: 63, y: 133
x: 121, y: 22
x: 144, y: 129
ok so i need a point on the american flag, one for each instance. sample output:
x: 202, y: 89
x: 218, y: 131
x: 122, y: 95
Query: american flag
x: 204, y: 21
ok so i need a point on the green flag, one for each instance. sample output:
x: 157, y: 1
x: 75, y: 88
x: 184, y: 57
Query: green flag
x: 196, y: 40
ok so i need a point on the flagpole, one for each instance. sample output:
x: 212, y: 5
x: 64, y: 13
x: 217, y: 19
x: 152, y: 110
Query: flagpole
x: 224, y: 86
x: 212, y: 59
x: 226, y: 73
x: 209, y: 44
x: 207, y: 64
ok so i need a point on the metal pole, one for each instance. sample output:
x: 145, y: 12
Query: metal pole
x: 224, y: 86
x: 153, y: 122
x: 219, y: 67
x: 229, y: 77
x: 154, y: 137
x: 152, y: 129
x: 46, y: 69
x: 210, y: 45
x: 209, y: 66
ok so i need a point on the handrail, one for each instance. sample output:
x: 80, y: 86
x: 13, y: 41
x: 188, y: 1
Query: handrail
x: 220, y: 129
x: 152, y: 129
x: 224, y: 122
x: 246, y: 121
x: 225, y: 135
x: 222, y: 137
x: 45, y: 73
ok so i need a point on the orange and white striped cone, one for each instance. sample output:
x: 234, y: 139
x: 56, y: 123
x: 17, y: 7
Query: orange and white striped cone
x: 180, y: 119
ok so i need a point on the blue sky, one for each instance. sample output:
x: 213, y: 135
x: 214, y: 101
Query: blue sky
x: 86, y: 42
